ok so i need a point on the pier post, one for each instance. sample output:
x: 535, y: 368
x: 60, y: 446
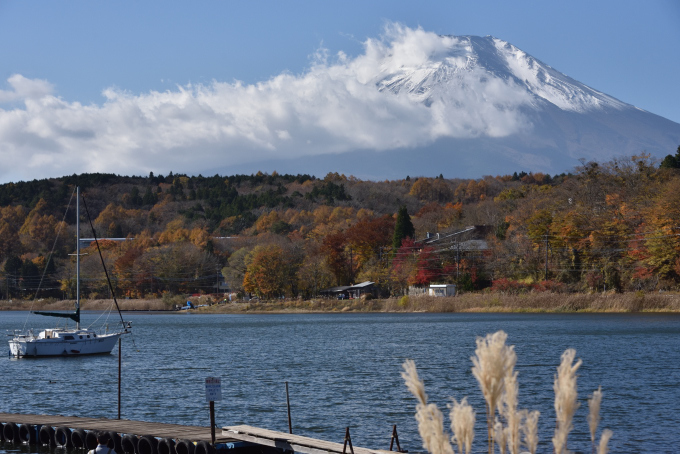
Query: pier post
x: 120, y: 349
x: 290, y: 424
x: 212, y: 422
x: 348, y: 439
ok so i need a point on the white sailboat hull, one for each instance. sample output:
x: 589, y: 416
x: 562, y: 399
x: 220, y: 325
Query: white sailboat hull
x: 68, y: 344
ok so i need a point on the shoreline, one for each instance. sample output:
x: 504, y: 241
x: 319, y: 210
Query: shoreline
x: 540, y: 302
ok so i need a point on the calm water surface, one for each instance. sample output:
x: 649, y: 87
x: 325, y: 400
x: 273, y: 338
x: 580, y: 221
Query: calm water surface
x: 344, y: 370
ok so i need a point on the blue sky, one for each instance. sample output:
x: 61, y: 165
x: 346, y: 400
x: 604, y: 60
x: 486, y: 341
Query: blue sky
x: 77, y: 50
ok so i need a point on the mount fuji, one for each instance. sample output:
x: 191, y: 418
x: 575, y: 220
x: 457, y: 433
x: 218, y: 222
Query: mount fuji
x: 495, y: 110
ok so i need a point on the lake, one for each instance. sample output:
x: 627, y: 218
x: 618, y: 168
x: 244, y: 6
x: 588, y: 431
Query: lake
x: 344, y: 370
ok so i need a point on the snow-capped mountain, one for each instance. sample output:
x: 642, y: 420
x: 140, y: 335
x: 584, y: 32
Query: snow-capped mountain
x: 499, y: 59
x: 512, y: 112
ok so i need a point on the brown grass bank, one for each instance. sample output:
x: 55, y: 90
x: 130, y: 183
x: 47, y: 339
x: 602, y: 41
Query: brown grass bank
x: 469, y: 302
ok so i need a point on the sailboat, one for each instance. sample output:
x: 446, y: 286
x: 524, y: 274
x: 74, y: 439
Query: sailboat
x: 67, y: 341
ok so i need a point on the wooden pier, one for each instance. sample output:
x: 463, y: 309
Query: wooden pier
x: 120, y: 426
x: 293, y: 443
x: 235, y: 439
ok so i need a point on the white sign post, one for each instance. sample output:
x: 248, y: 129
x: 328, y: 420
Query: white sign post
x: 213, y: 392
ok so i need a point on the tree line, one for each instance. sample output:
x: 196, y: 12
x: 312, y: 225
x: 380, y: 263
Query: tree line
x: 604, y: 226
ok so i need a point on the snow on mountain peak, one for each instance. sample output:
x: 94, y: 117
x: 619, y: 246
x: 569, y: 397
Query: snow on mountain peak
x: 445, y: 66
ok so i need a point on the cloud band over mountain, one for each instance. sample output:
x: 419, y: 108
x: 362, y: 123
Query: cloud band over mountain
x: 333, y: 107
x: 410, y: 89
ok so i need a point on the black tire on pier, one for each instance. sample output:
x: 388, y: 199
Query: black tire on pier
x: 28, y: 433
x: 148, y: 444
x: 185, y: 447
x: 203, y: 447
x: 2, y: 428
x: 11, y: 432
x: 46, y: 436
x: 91, y: 440
x: 63, y: 437
x: 78, y: 438
x: 166, y: 446
x: 129, y: 444
x: 115, y: 441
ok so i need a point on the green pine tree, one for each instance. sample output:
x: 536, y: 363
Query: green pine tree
x: 671, y: 162
x: 403, y: 228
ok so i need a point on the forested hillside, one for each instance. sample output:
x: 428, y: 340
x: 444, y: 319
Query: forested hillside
x: 612, y: 226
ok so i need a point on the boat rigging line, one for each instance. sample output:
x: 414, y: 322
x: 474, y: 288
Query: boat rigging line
x: 106, y: 272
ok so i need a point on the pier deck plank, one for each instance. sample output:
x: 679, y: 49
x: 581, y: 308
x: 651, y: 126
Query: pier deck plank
x: 121, y: 426
x: 291, y: 442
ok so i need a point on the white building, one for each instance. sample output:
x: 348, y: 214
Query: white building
x: 442, y: 290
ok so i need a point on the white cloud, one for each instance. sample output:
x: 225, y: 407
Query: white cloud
x: 23, y: 88
x: 333, y: 107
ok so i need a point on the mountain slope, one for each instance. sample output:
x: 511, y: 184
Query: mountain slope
x: 496, y: 110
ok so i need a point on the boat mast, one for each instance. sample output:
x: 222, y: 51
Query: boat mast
x: 78, y: 254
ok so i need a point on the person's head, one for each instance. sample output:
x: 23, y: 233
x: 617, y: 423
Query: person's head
x: 102, y: 438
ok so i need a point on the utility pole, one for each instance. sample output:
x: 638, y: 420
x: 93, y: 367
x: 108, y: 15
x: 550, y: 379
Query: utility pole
x: 546, y: 255
x: 457, y: 259
x: 351, y: 267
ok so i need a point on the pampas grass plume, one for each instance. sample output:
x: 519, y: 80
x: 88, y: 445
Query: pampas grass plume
x: 594, y: 413
x: 430, y: 420
x: 491, y: 363
x: 566, y: 397
x: 413, y: 381
x: 512, y: 416
x: 500, y: 435
x: 462, y: 425
x: 530, y: 430
x: 604, y: 439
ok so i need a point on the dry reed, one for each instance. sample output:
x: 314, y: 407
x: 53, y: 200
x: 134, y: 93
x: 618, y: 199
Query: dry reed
x: 467, y: 302
x: 493, y: 367
x: 566, y: 396
x: 512, y: 416
x: 430, y: 420
x: 530, y: 430
x: 594, y: 412
x: 492, y: 361
x: 604, y: 439
x: 500, y: 435
x: 462, y: 425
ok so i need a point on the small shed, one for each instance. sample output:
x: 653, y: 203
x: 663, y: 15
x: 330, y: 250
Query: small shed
x: 336, y: 292
x: 442, y: 290
x: 363, y: 288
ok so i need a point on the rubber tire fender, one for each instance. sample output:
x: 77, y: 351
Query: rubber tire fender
x: 62, y: 437
x: 148, y: 444
x: 115, y: 441
x: 185, y: 447
x: 11, y: 432
x: 46, y: 436
x: 129, y: 444
x: 204, y: 447
x: 166, y: 446
x: 28, y: 433
x: 79, y: 438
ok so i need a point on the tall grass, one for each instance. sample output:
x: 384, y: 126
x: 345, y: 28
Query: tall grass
x: 530, y: 430
x: 508, y: 427
x: 493, y: 361
x: 594, y: 413
x: 462, y: 425
x: 604, y: 439
x: 468, y: 302
x: 566, y: 399
x: 430, y: 419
